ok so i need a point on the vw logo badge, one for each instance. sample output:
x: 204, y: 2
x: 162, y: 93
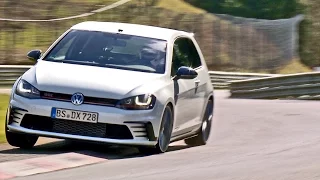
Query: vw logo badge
x: 77, y: 99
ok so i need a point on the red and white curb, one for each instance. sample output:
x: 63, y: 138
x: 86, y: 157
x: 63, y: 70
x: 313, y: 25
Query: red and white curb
x: 45, y: 164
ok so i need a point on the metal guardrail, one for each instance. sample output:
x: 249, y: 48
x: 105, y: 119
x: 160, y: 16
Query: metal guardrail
x: 9, y: 74
x: 219, y: 79
x: 241, y: 85
x: 302, y: 86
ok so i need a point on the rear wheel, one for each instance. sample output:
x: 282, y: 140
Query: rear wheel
x: 203, y: 135
x: 24, y: 141
x: 164, y: 135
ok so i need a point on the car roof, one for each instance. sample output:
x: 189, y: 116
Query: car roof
x: 131, y: 29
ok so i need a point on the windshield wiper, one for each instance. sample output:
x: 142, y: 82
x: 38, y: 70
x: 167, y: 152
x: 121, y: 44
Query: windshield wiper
x: 125, y: 67
x: 71, y: 61
x: 75, y: 61
x: 92, y: 63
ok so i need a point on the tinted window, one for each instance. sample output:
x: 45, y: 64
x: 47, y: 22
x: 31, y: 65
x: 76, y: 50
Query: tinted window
x: 184, y: 54
x: 110, y: 50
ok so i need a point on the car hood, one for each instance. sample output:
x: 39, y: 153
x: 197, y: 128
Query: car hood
x: 90, y: 80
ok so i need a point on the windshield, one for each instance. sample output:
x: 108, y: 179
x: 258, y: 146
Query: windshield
x: 110, y: 50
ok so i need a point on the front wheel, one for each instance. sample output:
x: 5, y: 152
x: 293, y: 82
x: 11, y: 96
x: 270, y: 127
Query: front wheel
x: 203, y: 135
x: 164, y: 135
x: 24, y: 141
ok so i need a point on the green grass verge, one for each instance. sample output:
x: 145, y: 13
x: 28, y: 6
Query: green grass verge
x: 179, y: 6
x: 4, y: 99
x: 49, y: 9
x: 295, y: 66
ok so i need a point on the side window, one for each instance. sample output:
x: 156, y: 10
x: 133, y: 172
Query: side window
x: 178, y: 59
x: 194, y: 55
x: 184, y: 54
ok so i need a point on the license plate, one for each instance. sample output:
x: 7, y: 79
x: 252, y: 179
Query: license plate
x: 73, y: 115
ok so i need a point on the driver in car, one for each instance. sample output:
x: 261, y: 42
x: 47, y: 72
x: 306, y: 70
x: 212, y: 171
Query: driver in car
x: 152, y: 58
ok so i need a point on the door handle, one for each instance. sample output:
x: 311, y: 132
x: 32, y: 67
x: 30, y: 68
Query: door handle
x: 197, y: 82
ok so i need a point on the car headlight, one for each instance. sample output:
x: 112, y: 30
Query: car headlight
x: 140, y: 102
x: 26, y: 90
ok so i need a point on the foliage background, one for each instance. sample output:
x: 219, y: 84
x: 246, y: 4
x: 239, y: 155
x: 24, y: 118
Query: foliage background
x: 217, y: 37
x: 276, y: 9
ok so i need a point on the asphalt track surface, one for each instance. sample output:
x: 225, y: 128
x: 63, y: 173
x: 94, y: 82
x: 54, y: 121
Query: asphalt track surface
x: 251, y: 140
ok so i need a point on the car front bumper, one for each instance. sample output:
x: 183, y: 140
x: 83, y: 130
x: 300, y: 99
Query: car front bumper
x: 19, y: 129
x: 142, y: 124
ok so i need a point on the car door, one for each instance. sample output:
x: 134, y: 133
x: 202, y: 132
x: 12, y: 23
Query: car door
x: 186, y: 90
x: 200, y: 91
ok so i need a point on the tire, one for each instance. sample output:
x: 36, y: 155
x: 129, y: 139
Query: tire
x: 24, y: 141
x: 164, y: 135
x: 203, y: 134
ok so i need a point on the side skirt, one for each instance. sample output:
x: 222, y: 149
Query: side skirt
x: 186, y: 135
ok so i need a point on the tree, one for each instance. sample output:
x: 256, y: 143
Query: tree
x: 262, y: 9
x: 276, y: 9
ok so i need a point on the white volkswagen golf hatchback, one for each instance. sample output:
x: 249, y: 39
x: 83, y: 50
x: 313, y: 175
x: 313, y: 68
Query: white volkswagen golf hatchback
x: 114, y: 83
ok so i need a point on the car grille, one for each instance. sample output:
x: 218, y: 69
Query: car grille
x: 82, y: 129
x: 87, y: 100
x: 101, y: 130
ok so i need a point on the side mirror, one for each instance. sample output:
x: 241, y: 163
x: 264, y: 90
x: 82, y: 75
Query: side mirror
x: 34, y: 55
x: 186, y: 73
